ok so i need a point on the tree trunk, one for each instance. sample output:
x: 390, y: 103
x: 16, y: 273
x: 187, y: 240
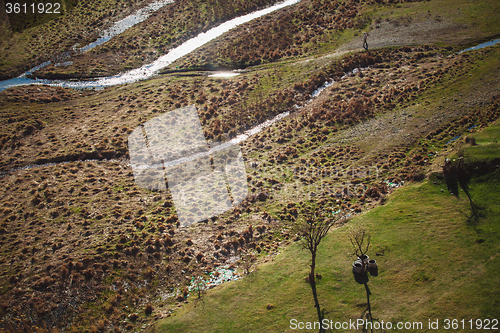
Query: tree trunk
x: 368, y: 293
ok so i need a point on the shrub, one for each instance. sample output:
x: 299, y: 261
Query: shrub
x: 418, y: 176
x: 88, y: 273
x: 63, y: 272
x: 123, y: 239
x: 148, y: 272
x: 43, y: 283
x: 168, y: 241
x: 149, y: 309
x: 79, y: 266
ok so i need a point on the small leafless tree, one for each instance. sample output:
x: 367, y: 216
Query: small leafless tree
x: 247, y: 260
x: 200, y: 285
x: 311, y: 227
x: 360, y: 240
x: 199, y: 282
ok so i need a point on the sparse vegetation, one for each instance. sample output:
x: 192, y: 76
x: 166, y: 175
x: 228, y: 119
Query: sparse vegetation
x: 416, y: 223
x: 85, y: 249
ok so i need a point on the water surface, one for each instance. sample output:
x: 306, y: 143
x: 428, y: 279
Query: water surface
x: 481, y: 46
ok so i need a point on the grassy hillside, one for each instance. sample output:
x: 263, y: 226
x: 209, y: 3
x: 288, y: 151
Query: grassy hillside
x: 432, y: 265
x: 486, y: 147
x: 84, y: 248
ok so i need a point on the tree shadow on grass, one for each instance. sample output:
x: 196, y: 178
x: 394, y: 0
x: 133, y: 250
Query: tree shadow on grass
x: 457, y: 174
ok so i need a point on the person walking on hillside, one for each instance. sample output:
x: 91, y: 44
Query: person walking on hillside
x: 365, y: 43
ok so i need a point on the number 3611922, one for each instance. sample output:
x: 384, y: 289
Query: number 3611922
x: 39, y: 8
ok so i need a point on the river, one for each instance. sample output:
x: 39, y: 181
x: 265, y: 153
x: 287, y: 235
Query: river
x: 148, y: 70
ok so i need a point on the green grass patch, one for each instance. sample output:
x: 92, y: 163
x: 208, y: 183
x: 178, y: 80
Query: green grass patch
x: 431, y: 266
x: 487, y: 144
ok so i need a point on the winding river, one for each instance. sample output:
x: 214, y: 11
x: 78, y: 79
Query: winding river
x: 151, y: 69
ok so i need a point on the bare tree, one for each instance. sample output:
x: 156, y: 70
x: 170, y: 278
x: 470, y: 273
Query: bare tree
x: 200, y: 285
x: 312, y: 227
x: 199, y: 282
x: 360, y: 240
x: 247, y: 260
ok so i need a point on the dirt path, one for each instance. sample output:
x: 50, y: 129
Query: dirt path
x: 387, y: 34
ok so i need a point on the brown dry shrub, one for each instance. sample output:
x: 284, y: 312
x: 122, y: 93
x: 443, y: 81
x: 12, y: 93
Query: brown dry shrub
x: 88, y: 273
x: 109, y: 308
x: 148, y: 272
x: 168, y: 241
x: 149, y: 309
x: 101, y: 324
x: 134, y: 250
x: 227, y: 245
x: 63, y: 272
x: 115, y: 300
x: 43, y: 283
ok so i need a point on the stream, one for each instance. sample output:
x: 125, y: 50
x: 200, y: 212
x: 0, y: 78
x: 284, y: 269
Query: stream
x: 481, y: 46
x: 116, y: 29
x: 152, y: 69
x: 148, y: 70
